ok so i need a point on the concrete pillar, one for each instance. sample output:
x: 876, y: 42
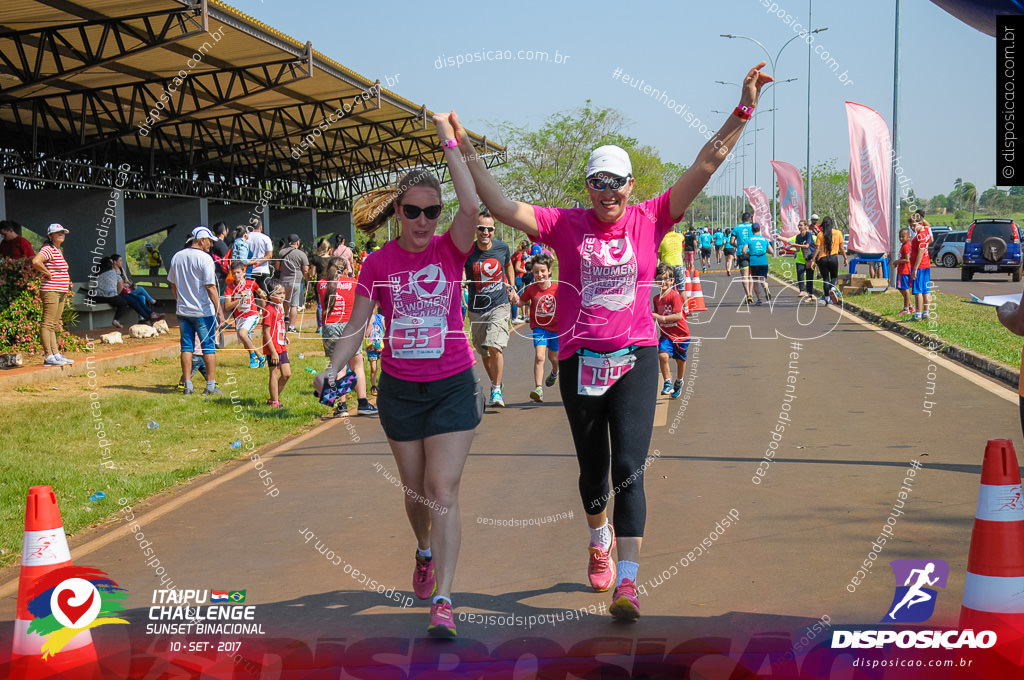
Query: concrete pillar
x: 94, y: 218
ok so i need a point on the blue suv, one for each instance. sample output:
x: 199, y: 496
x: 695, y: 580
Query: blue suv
x: 993, y: 246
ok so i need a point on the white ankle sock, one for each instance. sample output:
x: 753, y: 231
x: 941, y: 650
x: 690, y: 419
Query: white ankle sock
x: 423, y: 553
x: 626, y: 569
x: 601, y: 537
x: 438, y: 598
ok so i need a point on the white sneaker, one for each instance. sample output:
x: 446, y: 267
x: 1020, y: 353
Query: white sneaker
x: 53, y: 360
x: 65, y: 359
x: 116, y: 324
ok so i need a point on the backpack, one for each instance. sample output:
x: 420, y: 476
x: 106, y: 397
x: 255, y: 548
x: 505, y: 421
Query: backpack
x: 223, y: 262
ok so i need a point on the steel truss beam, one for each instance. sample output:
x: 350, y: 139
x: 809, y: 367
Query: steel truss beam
x: 73, y: 175
x: 75, y: 47
x: 67, y: 115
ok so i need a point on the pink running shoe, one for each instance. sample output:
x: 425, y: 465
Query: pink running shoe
x: 601, y: 568
x: 625, y: 606
x: 423, y: 582
x: 441, y: 622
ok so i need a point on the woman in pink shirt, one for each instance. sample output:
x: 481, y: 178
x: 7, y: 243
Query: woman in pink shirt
x: 430, y: 400
x: 608, y: 358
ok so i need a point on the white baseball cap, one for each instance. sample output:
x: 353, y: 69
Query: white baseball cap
x: 815, y: 216
x: 610, y: 159
x: 201, y: 232
x: 54, y: 228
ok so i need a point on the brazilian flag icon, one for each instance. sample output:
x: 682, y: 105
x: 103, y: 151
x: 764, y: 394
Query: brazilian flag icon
x: 237, y: 596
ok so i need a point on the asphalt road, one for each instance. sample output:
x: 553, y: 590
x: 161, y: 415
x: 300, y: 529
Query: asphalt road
x: 858, y: 406
x: 947, y: 280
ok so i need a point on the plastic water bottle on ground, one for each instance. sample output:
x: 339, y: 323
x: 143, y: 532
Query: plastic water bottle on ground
x: 152, y: 424
x: 98, y: 496
x: 237, y: 444
x: 301, y: 355
x: 310, y: 370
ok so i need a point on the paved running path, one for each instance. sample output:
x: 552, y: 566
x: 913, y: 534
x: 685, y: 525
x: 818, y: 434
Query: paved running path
x: 858, y: 419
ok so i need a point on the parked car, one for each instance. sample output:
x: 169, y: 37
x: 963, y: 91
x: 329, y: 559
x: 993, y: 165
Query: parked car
x: 948, y: 248
x: 993, y: 246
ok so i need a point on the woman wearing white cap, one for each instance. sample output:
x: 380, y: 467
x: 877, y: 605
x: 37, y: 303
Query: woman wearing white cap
x: 50, y: 262
x: 607, y: 257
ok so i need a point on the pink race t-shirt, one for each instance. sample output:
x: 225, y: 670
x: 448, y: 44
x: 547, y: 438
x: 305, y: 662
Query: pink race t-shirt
x: 605, y: 274
x: 421, y: 299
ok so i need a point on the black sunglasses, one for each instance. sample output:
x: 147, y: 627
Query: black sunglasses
x: 613, y: 183
x: 485, y: 228
x: 411, y: 212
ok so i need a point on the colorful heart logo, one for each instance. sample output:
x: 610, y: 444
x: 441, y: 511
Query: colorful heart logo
x: 73, y: 612
x: 75, y: 603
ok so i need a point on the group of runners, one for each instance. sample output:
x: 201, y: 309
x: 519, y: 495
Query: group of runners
x: 430, y: 399
x: 743, y: 248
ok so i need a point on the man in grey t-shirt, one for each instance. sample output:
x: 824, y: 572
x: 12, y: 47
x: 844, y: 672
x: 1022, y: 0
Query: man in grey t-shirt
x: 261, y: 251
x: 193, y: 281
x: 489, y: 276
x: 294, y: 266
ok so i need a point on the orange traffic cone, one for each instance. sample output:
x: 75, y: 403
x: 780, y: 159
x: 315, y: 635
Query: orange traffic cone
x: 694, y: 292
x: 995, y: 567
x: 45, y: 550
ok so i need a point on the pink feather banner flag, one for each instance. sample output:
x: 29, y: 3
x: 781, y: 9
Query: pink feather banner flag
x: 762, y: 209
x: 870, y: 179
x: 792, y: 206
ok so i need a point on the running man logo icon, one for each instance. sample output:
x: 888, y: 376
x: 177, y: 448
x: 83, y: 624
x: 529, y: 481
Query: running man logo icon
x: 913, y: 601
x: 1010, y: 500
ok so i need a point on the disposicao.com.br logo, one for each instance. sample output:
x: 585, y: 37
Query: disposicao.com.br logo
x: 69, y: 600
x: 914, y: 602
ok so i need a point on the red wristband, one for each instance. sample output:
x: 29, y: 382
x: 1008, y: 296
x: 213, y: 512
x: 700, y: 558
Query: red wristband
x: 744, y: 112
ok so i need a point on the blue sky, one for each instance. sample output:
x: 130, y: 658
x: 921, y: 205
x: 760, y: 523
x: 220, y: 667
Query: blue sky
x: 948, y: 93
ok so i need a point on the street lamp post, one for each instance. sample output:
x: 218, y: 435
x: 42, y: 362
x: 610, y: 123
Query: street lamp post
x: 754, y: 144
x: 753, y: 118
x: 773, y: 62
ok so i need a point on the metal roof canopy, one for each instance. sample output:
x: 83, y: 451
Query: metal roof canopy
x: 77, y: 83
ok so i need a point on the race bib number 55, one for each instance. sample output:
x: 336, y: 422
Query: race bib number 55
x: 418, y: 337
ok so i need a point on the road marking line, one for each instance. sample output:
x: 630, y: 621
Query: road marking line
x: 11, y: 587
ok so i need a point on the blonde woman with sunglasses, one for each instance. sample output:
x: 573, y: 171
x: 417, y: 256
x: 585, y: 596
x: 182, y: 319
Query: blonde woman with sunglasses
x: 430, y: 400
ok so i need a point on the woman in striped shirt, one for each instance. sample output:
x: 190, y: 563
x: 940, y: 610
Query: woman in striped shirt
x: 50, y: 262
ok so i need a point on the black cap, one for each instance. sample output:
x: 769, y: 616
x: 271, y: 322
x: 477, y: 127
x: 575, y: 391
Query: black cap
x: 293, y: 238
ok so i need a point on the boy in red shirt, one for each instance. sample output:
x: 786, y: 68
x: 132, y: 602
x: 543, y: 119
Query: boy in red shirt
x: 670, y: 315
x: 902, y: 266
x: 920, y: 268
x: 240, y: 297
x: 275, y: 345
x: 541, y: 296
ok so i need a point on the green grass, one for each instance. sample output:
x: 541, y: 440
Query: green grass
x: 51, y: 437
x: 964, y: 324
